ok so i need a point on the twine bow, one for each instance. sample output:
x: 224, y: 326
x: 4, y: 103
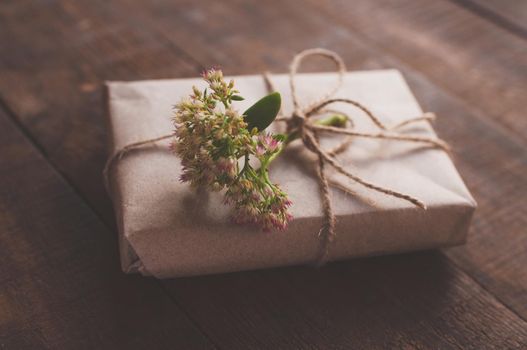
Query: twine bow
x: 301, y: 122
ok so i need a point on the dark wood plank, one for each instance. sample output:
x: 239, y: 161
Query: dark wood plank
x: 288, y: 308
x: 467, y: 55
x: 509, y: 14
x: 411, y: 301
x: 59, y: 56
x: 60, y: 282
x: 494, y: 167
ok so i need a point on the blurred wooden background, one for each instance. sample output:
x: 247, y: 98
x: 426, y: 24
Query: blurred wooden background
x: 60, y: 282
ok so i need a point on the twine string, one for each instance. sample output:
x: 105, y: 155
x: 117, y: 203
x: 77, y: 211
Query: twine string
x: 120, y: 153
x: 300, y: 122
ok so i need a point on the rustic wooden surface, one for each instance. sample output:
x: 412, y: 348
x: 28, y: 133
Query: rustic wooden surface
x: 60, y: 283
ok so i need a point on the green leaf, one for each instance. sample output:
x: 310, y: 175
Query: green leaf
x: 337, y: 120
x: 237, y: 98
x: 261, y: 114
x: 280, y: 137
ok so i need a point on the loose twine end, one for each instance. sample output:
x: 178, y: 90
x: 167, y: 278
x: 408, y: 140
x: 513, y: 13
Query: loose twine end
x: 299, y: 121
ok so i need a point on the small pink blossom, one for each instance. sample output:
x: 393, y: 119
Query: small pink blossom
x: 268, y: 143
x: 260, y: 151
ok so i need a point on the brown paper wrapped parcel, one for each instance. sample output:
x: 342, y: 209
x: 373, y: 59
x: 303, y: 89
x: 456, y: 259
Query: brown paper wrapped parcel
x: 168, y: 230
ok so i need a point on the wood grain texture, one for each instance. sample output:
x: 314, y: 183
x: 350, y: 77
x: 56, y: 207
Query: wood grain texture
x: 60, y: 54
x: 61, y: 51
x: 469, y: 56
x: 509, y: 14
x: 60, y: 282
x: 411, y: 301
x: 494, y: 168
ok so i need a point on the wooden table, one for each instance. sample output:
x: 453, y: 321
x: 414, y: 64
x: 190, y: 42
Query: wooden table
x: 60, y: 282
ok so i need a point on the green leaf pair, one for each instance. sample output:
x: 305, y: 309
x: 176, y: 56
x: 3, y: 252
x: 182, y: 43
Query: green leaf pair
x: 261, y: 114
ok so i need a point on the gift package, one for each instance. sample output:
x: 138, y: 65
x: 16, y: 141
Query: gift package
x: 169, y: 229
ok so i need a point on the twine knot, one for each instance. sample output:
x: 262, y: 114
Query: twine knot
x: 296, y: 122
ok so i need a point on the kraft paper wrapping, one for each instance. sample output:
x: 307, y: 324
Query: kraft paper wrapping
x: 167, y: 230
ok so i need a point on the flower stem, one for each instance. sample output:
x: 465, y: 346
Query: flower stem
x: 337, y: 120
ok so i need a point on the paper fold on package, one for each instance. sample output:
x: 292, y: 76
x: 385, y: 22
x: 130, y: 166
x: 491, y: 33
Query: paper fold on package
x: 167, y: 229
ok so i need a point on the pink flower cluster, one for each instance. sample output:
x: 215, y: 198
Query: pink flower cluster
x: 211, y: 137
x: 260, y: 203
x: 209, y: 143
x: 255, y: 198
x: 267, y: 144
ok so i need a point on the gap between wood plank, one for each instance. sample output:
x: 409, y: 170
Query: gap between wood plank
x: 490, y: 122
x: 378, y: 47
x: 74, y: 187
x: 187, y: 314
x: 25, y: 132
x: 25, y: 143
x: 195, y: 63
x: 11, y: 116
x: 38, y: 148
x: 482, y: 286
x: 185, y: 56
x: 492, y: 16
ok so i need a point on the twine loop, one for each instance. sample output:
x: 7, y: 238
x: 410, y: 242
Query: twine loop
x: 300, y: 121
